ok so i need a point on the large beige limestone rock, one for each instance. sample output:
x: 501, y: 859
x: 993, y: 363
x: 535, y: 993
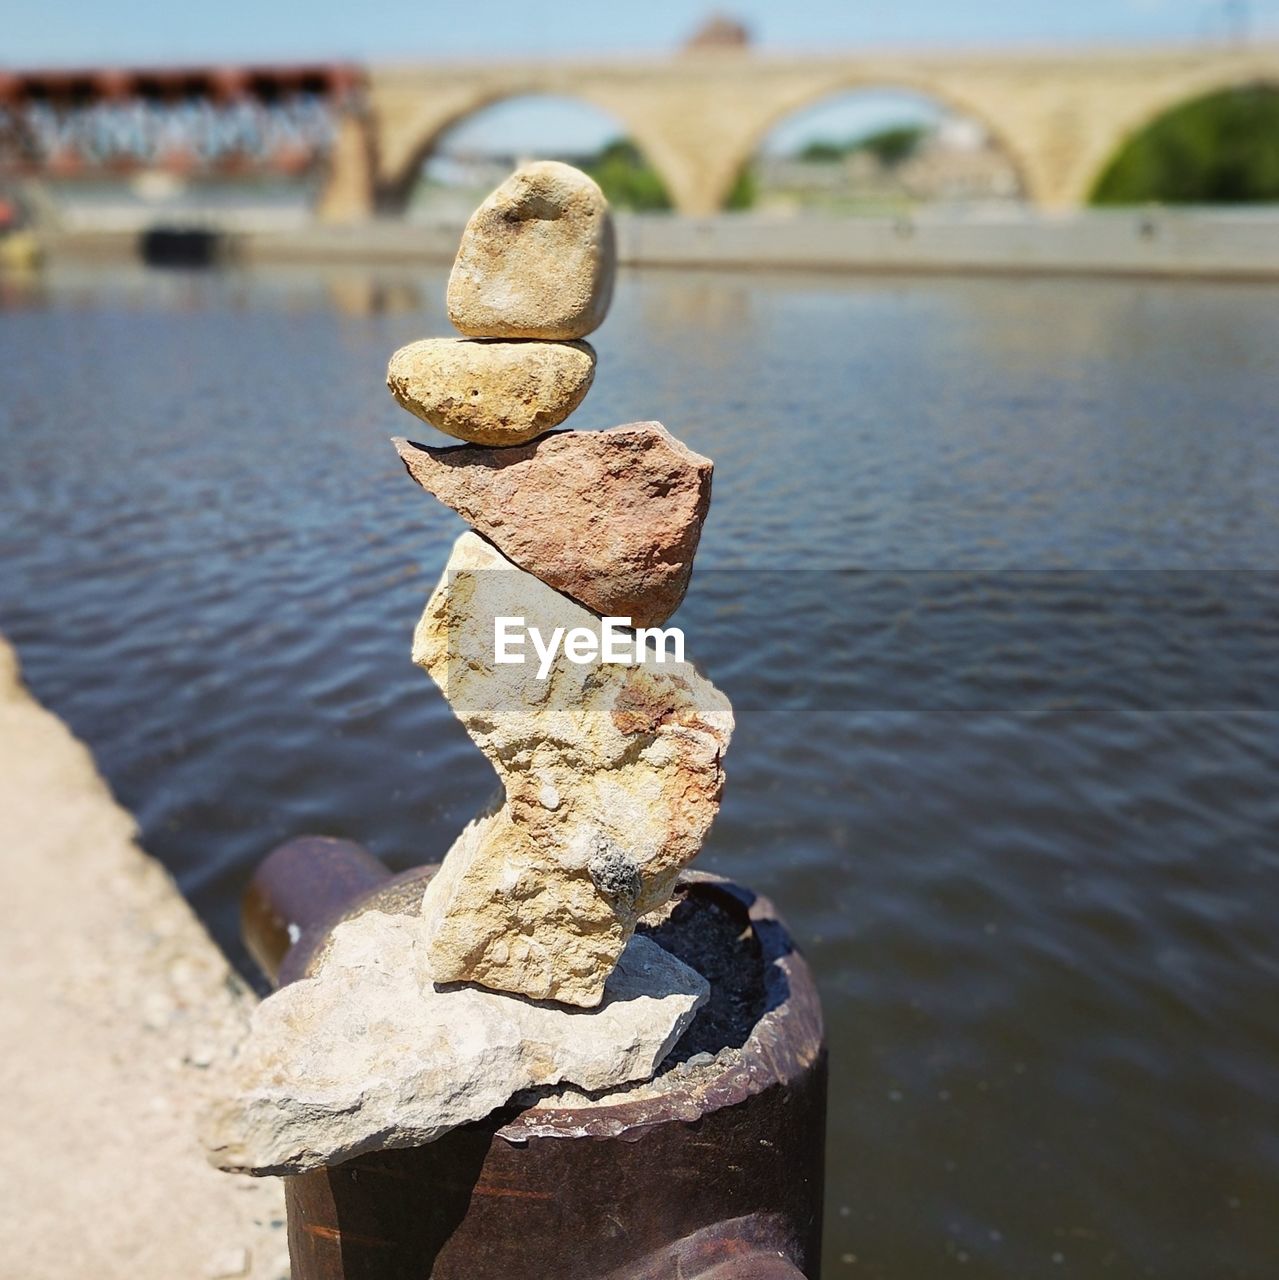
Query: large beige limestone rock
x: 537, y: 258
x: 364, y: 1055
x: 492, y: 393
x: 612, y: 776
x: 611, y: 518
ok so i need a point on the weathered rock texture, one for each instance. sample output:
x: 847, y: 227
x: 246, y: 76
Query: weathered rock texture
x: 537, y: 258
x: 363, y: 1056
x: 612, y: 776
x: 611, y: 518
x: 491, y: 393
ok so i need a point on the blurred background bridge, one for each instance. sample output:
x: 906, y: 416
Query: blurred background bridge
x: 700, y: 118
x: 362, y: 135
x: 186, y: 123
x: 715, y: 126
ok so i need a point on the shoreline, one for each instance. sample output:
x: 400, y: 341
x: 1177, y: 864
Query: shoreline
x: 117, y: 1006
x: 1237, y: 244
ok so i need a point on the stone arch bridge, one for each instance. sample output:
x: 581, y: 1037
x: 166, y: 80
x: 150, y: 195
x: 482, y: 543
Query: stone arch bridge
x: 699, y: 117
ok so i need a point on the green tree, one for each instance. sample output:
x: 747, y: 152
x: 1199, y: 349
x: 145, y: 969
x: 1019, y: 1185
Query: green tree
x: 744, y: 190
x: 630, y: 182
x: 891, y: 146
x: 822, y: 151
x: 1221, y: 149
x: 626, y: 177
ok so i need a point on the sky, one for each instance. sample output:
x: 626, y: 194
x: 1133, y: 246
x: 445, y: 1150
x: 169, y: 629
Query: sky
x: 96, y: 32
x: 106, y: 32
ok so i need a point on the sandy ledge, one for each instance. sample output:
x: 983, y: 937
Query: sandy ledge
x: 114, y: 1003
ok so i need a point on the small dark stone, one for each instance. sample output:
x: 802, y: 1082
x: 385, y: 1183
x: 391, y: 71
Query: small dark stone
x: 718, y: 943
x: 615, y: 875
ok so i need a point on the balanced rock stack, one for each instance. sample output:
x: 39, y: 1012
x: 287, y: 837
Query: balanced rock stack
x: 533, y: 276
x: 611, y: 768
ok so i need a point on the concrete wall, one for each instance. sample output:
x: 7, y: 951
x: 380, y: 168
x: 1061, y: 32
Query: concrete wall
x: 115, y: 1009
x: 1159, y: 242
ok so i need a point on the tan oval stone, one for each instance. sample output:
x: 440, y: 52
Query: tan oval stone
x: 492, y: 393
x: 537, y: 258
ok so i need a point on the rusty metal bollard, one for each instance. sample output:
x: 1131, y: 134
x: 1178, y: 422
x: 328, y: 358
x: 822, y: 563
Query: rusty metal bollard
x: 719, y: 1177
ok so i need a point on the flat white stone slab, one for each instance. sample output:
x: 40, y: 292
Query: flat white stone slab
x: 363, y: 1056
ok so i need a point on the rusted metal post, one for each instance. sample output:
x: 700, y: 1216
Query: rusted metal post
x: 717, y: 1175
x: 299, y: 889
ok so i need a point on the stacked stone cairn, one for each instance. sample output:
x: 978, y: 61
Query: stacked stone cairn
x: 522, y: 969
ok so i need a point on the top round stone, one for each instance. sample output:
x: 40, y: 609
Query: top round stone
x: 537, y: 258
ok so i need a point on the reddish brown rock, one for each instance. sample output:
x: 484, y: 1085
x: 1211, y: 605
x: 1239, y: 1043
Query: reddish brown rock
x: 610, y: 518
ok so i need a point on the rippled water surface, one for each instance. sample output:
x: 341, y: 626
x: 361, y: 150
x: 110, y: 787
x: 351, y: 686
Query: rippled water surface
x: 1038, y: 877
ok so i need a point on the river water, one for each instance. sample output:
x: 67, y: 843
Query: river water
x: 987, y: 576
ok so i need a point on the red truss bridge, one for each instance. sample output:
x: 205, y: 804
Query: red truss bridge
x: 193, y: 121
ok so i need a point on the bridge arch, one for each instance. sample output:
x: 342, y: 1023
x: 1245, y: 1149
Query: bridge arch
x: 923, y: 91
x: 1058, y: 116
x: 1145, y: 109
x: 408, y: 147
x: 727, y: 151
